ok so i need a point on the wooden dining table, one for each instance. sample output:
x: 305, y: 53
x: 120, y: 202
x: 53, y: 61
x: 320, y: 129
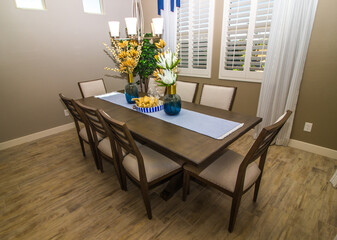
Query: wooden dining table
x: 177, y: 143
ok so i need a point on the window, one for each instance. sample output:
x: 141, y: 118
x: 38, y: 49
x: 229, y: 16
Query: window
x: 30, y: 4
x: 93, y: 6
x: 244, y: 43
x: 195, y: 34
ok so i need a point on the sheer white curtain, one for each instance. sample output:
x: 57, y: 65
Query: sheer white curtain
x: 287, y: 50
x: 170, y: 26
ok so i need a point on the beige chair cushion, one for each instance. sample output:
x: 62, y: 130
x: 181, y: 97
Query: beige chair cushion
x: 92, y: 88
x: 224, y: 171
x: 156, y: 164
x: 105, y: 147
x: 217, y: 96
x: 84, y: 135
x: 186, y: 90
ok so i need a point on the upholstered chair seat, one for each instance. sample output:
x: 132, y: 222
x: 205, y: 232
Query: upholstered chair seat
x: 224, y: 171
x: 156, y: 165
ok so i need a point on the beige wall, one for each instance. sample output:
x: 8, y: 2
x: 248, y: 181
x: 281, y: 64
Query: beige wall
x: 318, y: 93
x: 317, y: 101
x: 44, y: 53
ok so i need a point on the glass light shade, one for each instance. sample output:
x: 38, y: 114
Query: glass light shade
x: 152, y: 29
x: 114, y: 28
x: 131, y: 25
x: 158, y: 24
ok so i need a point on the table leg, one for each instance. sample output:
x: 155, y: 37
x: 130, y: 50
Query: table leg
x: 172, y: 187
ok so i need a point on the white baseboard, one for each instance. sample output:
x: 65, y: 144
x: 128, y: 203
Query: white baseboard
x: 327, y: 152
x: 35, y: 136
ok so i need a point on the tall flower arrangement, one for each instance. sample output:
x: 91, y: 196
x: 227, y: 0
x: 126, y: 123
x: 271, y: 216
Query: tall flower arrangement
x: 167, y: 66
x: 126, y: 54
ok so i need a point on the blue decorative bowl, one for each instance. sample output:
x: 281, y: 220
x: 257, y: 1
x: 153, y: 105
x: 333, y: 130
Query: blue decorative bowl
x: 151, y: 109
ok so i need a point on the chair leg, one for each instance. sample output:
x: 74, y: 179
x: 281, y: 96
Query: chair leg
x: 146, y: 199
x: 123, y: 177
x: 95, y: 156
x: 118, y: 173
x: 257, y: 187
x: 82, y: 145
x: 234, y: 212
x: 99, y: 161
x: 186, y: 185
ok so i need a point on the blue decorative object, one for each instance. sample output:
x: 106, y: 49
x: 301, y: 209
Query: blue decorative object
x: 172, y: 101
x: 131, y: 90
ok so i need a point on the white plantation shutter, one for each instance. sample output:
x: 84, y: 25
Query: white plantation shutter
x: 244, y: 43
x: 261, y: 34
x: 183, y: 25
x: 194, y: 34
x: 237, y: 33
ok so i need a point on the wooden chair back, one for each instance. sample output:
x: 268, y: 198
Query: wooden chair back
x: 73, y: 110
x: 218, y: 96
x: 187, y: 90
x: 119, y: 132
x: 71, y: 107
x: 260, y: 147
x: 92, y: 87
x: 91, y: 116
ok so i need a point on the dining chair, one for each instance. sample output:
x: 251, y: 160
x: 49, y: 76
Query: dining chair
x: 218, y: 96
x: 104, y: 148
x: 82, y: 132
x: 186, y: 90
x: 92, y: 87
x: 152, y: 88
x: 234, y: 174
x: 144, y: 166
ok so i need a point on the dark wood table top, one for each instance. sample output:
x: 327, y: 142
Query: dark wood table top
x: 174, y: 141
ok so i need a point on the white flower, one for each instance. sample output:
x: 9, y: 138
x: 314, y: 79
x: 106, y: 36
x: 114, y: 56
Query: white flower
x: 167, y: 60
x: 169, y: 77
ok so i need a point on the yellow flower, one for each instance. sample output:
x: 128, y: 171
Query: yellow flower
x: 156, y: 72
x: 122, y: 55
x: 123, y: 44
x: 161, y: 44
x: 133, y: 53
x: 133, y: 43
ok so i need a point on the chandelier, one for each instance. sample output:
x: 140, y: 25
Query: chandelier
x: 132, y: 29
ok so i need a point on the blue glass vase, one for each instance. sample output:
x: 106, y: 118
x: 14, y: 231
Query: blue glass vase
x: 172, y: 101
x: 131, y: 90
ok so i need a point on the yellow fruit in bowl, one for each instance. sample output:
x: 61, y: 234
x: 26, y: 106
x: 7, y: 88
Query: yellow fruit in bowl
x: 146, y: 102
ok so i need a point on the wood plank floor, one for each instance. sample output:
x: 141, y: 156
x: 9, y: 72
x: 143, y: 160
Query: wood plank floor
x: 48, y: 190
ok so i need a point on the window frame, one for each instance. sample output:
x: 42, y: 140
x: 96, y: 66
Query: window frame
x: 43, y: 3
x: 101, y: 7
x: 246, y: 75
x: 194, y: 72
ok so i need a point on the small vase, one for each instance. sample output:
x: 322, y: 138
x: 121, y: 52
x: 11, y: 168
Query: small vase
x: 172, y: 101
x: 131, y: 90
